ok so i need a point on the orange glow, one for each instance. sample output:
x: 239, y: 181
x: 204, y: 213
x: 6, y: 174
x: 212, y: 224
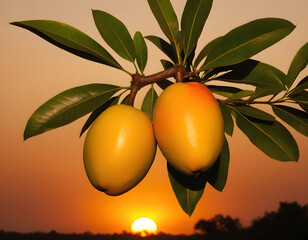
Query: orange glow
x: 144, y: 227
x: 43, y: 182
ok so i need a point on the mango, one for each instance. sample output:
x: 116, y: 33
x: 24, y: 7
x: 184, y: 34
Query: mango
x: 119, y: 149
x: 189, y: 127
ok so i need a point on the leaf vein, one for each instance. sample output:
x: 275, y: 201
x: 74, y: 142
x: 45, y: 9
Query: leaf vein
x: 233, y: 49
x: 84, y: 46
x: 127, y: 52
x: 162, y: 12
x: 266, y: 134
x: 192, y: 28
x: 294, y: 116
x: 76, y: 104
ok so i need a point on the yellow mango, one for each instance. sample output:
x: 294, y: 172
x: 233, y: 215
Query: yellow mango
x: 189, y: 127
x: 119, y: 149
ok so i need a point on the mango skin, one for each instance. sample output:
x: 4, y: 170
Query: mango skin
x: 119, y: 149
x: 189, y: 127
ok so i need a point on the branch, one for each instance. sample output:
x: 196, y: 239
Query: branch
x: 139, y: 81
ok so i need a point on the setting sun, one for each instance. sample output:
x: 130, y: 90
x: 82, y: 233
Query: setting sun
x: 144, y: 226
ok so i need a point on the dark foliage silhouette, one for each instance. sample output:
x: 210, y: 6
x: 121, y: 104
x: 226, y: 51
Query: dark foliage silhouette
x: 219, y: 223
x: 290, y: 222
x: 88, y: 236
x: 219, y: 227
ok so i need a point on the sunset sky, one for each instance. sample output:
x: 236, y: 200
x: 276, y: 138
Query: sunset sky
x: 43, y: 184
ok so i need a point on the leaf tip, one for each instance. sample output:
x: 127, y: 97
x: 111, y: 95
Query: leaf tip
x: 220, y: 189
x: 26, y: 136
x: 296, y: 158
x: 189, y: 214
x: 94, y: 11
x: 81, y: 132
x: 15, y: 23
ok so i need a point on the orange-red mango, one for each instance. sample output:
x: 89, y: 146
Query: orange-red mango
x: 188, y: 127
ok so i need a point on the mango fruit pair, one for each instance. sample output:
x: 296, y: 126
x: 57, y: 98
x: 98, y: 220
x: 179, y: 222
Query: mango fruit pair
x: 120, y: 145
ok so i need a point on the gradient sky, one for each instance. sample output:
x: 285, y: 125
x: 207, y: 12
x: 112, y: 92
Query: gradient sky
x: 43, y: 185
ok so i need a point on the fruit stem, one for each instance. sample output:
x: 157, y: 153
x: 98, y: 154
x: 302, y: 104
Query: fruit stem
x: 132, y: 95
x: 139, y: 81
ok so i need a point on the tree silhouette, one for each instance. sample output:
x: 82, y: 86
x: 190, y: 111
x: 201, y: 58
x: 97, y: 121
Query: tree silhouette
x: 219, y: 223
x: 289, y: 222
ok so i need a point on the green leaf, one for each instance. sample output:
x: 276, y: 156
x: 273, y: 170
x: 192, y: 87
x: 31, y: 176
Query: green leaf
x: 255, y: 113
x: 302, y: 85
x: 224, y: 90
x: 270, y: 137
x: 190, y: 58
x: 165, y: 47
x: 246, y: 66
x: 299, y: 62
x: 304, y: 107
x: 166, y: 64
x: 187, y: 189
x: 206, y: 50
x: 180, y: 44
x: 163, y: 84
x: 70, y: 39
x: 247, y: 40
x: 141, y: 51
x: 115, y: 34
x: 242, y: 94
x: 300, y: 97
x: 166, y: 18
x: 68, y: 106
x: 193, y: 19
x: 261, y: 92
x: 112, y: 101
x: 149, y: 102
x: 218, y: 174
x: 294, y: 117
x: 124, y: 101
x: 228, y: 121
x: 255, y: 73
